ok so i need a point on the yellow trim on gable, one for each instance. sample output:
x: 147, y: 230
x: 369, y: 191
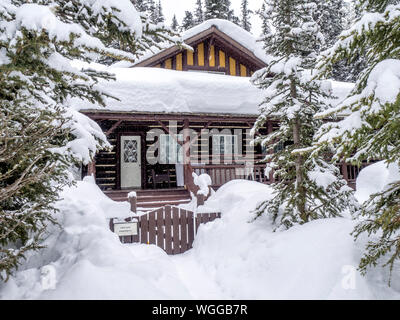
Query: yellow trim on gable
x: 190, y: 58
x: 212, y: 57
x: 232, y: 66
x: 243, y: 71
x: 200, y: 54
x: 168, y: 64
x: 179, y: 62
x: 222, y: 62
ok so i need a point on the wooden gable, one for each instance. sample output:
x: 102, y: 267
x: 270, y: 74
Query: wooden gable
x: 214, y: 51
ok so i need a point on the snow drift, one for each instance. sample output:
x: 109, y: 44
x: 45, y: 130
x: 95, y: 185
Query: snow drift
x: 375, y: 178
x: 89, y: 261
x: 317, y: 260
x: 233, y: 257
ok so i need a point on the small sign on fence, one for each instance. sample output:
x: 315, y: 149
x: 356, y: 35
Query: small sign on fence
x: 126, y: 228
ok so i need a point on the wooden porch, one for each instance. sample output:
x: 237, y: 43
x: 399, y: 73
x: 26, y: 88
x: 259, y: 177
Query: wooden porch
x: 158, y: 183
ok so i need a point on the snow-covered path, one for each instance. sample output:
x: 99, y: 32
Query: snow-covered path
x: 200, y: 285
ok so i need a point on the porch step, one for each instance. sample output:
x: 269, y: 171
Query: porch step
x: 149, y: 199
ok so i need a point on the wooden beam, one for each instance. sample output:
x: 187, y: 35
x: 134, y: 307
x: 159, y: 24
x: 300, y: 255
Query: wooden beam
x: 115, y: 125
x: 192, y: 117
x: 199, y: 134
x: 169, y: 132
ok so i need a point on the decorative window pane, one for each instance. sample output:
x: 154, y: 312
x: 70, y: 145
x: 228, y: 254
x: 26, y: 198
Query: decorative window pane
x: 130, y: 151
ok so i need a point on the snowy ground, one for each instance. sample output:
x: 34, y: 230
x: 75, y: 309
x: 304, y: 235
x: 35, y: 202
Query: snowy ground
x: 231, y: 258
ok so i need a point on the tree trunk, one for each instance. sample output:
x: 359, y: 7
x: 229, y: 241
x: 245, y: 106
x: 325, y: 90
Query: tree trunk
x: 301, y: 203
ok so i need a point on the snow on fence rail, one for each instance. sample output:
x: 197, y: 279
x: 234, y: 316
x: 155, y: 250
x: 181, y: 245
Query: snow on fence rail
x: 171, y: 228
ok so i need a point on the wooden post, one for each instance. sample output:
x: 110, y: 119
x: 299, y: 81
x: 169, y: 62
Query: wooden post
x: 270, y: 130
x: 132, y: 199
x: 92, y: 169
x: 200, y: 200
x: 345, y: 172
x: 187, y: 167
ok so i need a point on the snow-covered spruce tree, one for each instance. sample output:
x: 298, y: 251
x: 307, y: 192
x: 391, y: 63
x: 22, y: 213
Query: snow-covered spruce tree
x: 40, y: 135
x: 370, y: 123
x: 187, y: 21
x: 174, y: 24
x: 330, y: 16
x: 265, y: 26
x: 334, y: 16
x: 232, y: 17
x: 307, y: 186
x: 140, y: 5
x: 159, y: 13
x: 217, y: 9
x: 198, y: 13
x: 245, y: 16
x: 152, y: 10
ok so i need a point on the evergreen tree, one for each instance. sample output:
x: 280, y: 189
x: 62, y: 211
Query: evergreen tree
x: 175, y: 24
x: 188, y: 21
x: 246, y: 14
x: 233, y: 18
x: 333, y: 16
x: 217, y: 9
x: 330, y: 16
x: 159, y: 13
x: 307, y: 187
x: 40, y: 134
x: 370, y: 120
x: 152, y: 11
x: 198, y: 14
x: 140, y: 5
x: 265, y: 26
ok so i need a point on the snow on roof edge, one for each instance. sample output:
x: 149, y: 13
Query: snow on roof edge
x: 243, y: 37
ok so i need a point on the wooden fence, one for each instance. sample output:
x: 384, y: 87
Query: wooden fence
x: 221, y: 174
x: 171, y: 228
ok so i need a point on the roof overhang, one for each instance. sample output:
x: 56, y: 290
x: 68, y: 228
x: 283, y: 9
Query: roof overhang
x: 155, y: 116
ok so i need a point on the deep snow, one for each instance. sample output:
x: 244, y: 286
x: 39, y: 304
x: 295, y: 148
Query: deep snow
x: 231, y: 259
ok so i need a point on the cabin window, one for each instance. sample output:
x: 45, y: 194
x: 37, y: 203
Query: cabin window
x: 226, y: 145
x: 171, y: 152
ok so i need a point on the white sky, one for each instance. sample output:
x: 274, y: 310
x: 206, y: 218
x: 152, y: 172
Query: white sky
x: 179, y: 7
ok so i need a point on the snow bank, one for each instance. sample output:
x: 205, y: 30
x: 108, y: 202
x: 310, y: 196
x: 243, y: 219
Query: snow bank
x: 375, y: 178
x: 315, y: 261
x: 89, y: 261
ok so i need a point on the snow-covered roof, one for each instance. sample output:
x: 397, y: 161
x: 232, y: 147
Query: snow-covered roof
x: 238, y: 34
x: 161, y: 90
x: 169, y: 91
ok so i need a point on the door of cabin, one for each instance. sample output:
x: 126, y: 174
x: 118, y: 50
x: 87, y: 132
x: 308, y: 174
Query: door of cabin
x: 131, y: 166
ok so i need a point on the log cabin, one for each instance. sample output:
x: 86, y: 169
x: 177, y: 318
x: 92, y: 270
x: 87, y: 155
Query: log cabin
x: 181, y: 112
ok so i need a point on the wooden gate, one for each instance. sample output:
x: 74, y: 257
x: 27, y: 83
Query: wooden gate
x: 171, y: 228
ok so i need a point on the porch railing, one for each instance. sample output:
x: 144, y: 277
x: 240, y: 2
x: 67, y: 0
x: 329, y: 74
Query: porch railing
x: 223, y: 173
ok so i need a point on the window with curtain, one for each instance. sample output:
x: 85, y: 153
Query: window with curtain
x: 171, y: 152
